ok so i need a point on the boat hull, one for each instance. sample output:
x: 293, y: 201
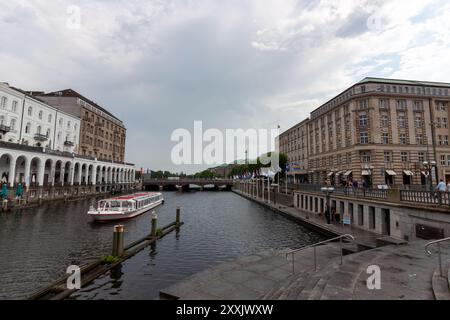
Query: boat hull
x: 115, y: 216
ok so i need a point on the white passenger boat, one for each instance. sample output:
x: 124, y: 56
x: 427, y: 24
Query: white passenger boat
x: 125, y: 207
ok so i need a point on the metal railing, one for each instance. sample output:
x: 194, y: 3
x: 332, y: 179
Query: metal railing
x: 315, y: 245
x: 438, y: 243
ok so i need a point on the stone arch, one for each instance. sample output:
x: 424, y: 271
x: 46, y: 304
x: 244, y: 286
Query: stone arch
x: 7, y: 166
x: 66, y: 176
x: 35, y: 170
x: 48, y: 172
x: 22, y: 165
x: 77, y: 173
x: 58, y: 172
x: 84, y: 173
x: 90, y: 174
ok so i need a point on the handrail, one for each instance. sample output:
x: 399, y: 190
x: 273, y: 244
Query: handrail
x: 315, y: 245
x: 438, y: 242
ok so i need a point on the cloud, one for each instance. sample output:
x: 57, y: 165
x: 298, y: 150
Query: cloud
x: 161, y: 65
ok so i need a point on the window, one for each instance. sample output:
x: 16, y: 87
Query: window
x: 404, y: 156
x: 14, y: 106
x: 448, y: 160
x: 28, y: 128
x: 440, y: 141
x: 385, y: 138
x: 421, y: 157
x: 364, y: 138
x: 363, y: 120
x: 39, y: 130
x: 418, y: 122
x: 387, y: 157
x: 418, y: 106
x: 419, y: 139
x: 403, y: 138
x: 59, y: 136
x: 366, y: 158
x: 48, y: 133
x: 2, y: 120
x: 30, y: 111
x: 438, y: 123
x: 401, y: 120
x: 401, y: 104
x: 13, y: 124
x: 60, y: 122
x: 4, y: 102
x: 445, y: 142
x: 445, y: 123
x: 443, y: 161
x: 383, y: 103
x: 363, y: 104
x: 363, y: 89
x: 384, y: 121
x: 68, y: 124
x: 50, y: 118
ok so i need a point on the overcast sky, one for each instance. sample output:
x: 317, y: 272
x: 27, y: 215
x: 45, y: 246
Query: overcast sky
x: 161, y: 65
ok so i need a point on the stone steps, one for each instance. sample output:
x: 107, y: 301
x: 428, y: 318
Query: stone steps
x: 330, y: 281
x: 441, y: 285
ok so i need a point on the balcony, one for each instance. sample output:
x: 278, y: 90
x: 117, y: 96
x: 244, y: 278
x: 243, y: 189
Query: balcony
x: 40, y: 137
x: 68, y: 143
x: 4, y: 129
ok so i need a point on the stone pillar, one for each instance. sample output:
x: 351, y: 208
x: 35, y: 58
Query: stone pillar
x: 27, y: 172
x: 80, y: 173
x: 72, y: 174
x: 41, y: 173
x: 62, y: 174
x: 12, y: 172
x: 94, y: 175
x: 86, y: 173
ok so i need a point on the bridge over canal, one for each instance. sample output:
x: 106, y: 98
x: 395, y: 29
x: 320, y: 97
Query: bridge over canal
x: 187, y: 184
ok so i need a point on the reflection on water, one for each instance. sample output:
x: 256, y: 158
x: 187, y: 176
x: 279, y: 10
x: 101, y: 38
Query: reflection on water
x: 37, y: 245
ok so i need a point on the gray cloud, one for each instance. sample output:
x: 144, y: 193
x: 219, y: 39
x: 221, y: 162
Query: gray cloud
x: 161, y: 65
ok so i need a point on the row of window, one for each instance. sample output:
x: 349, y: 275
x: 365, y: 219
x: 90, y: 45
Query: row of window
x: 4, y: 104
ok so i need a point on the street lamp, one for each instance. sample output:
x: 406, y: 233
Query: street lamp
x: 328, y: 191
x: 429, y: 166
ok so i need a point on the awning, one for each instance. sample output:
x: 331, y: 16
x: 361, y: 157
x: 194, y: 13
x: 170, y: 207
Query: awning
x: 391, y: 173
x: 408, y: 173
x: 348, y: 173
x: 338, y: 173
x: 425, y: 173
x: 330, y: 174
x: 366, y: 173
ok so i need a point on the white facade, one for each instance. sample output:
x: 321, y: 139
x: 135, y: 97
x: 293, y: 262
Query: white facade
x: 35, y: 123
x: 11, y: 106
x: 46, y: 169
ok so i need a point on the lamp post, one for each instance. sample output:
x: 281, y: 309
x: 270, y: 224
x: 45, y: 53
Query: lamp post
x: 328, y: 191
x: 429, y: 167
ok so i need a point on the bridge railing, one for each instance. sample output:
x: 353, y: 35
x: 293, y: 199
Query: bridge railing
x: 425, y: 197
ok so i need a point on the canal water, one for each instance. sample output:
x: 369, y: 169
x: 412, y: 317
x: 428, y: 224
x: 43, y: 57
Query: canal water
x: 37, y: 245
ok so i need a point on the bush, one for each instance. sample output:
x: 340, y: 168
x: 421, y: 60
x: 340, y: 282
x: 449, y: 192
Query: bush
x: 110, y: 259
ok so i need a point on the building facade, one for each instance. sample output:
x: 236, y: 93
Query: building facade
x: 378, y: 132
x: 294, y: 144
x: 103, y: 136
x: 26, y: 120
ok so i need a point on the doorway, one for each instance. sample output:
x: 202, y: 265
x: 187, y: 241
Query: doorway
x: 386, y: 222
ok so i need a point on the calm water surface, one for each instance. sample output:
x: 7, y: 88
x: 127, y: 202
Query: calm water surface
x: 37, y: 245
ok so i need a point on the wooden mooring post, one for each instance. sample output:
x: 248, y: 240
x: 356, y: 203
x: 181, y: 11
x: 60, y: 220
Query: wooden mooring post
x: 93, y: 270
x: 118, y: 241
x: 154, y: 224
x: 178, y: 218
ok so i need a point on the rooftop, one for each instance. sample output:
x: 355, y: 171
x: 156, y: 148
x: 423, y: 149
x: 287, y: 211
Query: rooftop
x: 405, y: 82
x: 74, y: 94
